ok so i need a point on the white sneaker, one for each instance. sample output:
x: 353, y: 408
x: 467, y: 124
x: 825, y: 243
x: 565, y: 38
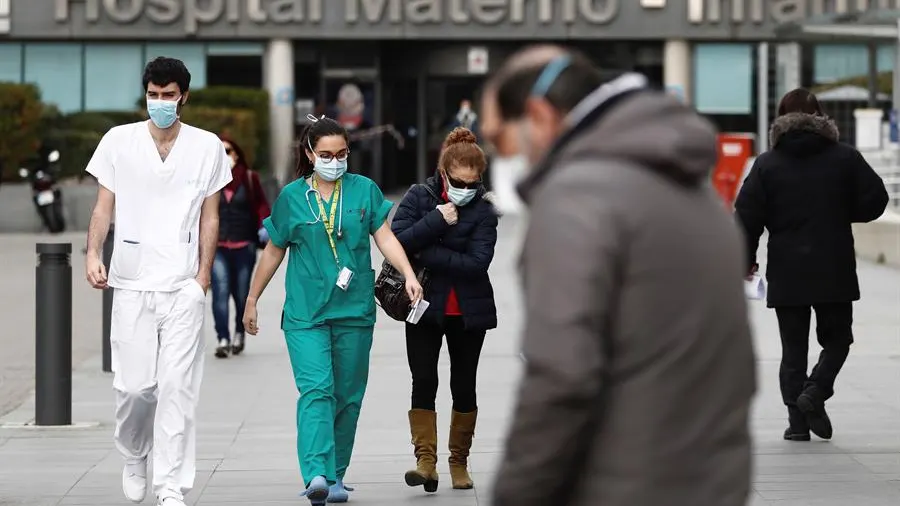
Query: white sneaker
x: 170, y: 501
x: 134, y: 481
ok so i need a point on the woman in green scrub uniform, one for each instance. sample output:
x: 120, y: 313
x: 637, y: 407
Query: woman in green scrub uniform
x: 325, y: 219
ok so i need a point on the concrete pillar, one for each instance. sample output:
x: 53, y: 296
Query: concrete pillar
x: 678, y: 68
x: 278, y: 79
x: 788, y: 59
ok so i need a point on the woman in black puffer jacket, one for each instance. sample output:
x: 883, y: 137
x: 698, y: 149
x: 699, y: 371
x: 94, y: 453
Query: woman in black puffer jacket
x: 447, y: 226
x: 807, y: 191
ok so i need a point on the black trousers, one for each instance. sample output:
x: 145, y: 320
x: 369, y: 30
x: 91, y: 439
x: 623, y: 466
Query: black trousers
x: 835, y: 335
x: 423, y: 349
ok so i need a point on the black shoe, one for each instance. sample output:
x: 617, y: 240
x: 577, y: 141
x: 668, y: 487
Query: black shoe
x: 816, y: 416
x: 798, y: 429
x: 793, y: 435
x: 223, y: 348
x: 237, y: 343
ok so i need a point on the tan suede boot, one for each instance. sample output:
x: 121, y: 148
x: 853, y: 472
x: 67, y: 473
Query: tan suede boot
x: 423, y: 427
x: 462, y: 430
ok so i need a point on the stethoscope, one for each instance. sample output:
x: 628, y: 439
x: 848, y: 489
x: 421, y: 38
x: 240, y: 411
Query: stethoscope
x: 340, y: 233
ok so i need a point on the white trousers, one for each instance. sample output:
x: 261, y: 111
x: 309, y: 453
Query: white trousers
x: 157, y: 357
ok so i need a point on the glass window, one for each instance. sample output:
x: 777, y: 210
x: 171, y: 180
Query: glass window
x: 833, y: 62
x: 235, y: 49
x: 712, y: 94
x: 112, y: 80
x: 10, y: 62
x: 192, y: 54
x: 57, y: 69
x: 886, y: 58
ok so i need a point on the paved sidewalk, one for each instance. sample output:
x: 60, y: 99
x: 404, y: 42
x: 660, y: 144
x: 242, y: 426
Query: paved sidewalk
x: 247, y: 435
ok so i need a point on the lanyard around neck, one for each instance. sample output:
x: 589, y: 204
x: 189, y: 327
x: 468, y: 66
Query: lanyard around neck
x: 329, y: 220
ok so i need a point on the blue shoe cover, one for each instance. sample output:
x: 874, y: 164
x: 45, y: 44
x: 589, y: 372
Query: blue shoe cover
x: 339, y: 492
x: 317, y: 491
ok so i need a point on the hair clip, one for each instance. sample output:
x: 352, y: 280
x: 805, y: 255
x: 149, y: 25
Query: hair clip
x: 313, y: 118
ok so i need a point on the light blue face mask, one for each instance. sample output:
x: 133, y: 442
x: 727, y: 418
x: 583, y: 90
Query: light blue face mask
x: 460, y: 196
x: 330, y: 171
x: 163, y: 113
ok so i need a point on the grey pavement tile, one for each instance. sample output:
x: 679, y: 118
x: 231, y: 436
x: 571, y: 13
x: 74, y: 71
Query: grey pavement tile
x: 247, y: 440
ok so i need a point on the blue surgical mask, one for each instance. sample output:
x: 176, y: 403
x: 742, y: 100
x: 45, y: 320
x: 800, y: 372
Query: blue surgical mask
x: 330, y: 171
x: 460, y: 196
x: 163, y: 113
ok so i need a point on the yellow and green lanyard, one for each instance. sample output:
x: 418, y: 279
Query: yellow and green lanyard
x: 329, y: 220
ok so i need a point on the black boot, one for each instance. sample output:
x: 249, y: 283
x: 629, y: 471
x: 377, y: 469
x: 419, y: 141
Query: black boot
x: 797, y: 430
x: 813, y: 406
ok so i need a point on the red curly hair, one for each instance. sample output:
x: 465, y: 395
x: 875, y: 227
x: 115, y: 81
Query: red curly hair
x: 460, y: 149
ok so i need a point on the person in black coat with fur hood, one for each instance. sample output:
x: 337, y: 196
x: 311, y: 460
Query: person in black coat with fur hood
x: 448, y: 226
x: 807, y: 191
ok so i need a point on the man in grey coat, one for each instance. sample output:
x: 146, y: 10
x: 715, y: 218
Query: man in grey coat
x: 640, y: 367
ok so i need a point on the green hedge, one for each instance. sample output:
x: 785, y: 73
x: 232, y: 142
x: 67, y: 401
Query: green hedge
x: 21, y: 115
x: 239, y: 124
x: 255, y: 100
x: 76, y: 148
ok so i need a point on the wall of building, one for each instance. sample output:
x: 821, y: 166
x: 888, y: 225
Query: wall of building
x: 425, y: 19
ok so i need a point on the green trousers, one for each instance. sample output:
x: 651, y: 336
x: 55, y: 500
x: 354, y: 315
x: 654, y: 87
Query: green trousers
x: 331, y: 370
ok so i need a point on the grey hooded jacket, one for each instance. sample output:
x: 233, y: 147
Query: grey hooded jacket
x: 640, y: 365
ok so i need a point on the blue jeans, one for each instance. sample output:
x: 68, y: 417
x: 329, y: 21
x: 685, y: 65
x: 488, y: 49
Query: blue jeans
x: 231, y: 273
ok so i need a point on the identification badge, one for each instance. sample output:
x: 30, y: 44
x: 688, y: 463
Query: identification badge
x: 344, y: 277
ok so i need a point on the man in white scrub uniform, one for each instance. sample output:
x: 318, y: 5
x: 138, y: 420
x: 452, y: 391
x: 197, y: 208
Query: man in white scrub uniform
x: 163, y: 178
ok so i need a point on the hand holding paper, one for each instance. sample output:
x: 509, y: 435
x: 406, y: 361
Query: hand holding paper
x: 418, y: 309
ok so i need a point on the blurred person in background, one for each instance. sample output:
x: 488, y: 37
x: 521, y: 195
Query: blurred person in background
x: 242, y: 208
x: 447, y: 226
x: 466, y: 117
x: 326, y: 219
x: 806, y: 191
x: 639, y: 362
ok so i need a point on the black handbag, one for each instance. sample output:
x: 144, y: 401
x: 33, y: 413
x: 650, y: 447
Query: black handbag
x: 390, y: 291
x: 390, y: 287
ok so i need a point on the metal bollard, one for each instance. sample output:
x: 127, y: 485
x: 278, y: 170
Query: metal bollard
x: 107, y: 301
x: 53, y: 336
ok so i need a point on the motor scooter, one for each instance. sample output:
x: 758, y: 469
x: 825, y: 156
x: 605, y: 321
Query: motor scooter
x: 45, y: 191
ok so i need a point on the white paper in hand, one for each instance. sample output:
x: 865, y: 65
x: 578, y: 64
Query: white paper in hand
x: 755, y: 288
x: 418, y: 309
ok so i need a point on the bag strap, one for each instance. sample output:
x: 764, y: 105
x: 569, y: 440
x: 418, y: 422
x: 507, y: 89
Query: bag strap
x: 250, y: 182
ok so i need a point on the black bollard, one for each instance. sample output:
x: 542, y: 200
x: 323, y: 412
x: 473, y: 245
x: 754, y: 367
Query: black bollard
x: 107, y: 301
x: 53, y: 336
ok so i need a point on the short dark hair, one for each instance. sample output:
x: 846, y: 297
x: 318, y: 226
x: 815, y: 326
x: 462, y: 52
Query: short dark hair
x: 162, y: 71
x: 800, y: 100
x: 315, y: 130
x: 576, y: 81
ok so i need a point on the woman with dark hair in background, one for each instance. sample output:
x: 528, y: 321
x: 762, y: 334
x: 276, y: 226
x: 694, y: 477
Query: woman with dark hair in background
x: 807, y: 191
x: 448, y: 227
x: 242, y: 208
x: 326, y: 218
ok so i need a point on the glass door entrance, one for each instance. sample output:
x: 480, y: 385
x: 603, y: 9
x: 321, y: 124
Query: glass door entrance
x: 351, y: 101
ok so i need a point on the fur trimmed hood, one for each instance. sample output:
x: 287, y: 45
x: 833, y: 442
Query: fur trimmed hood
x: 801, y: 122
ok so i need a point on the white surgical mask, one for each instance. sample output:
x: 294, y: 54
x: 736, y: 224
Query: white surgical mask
x: 330, y: 171
x: 506, y: 173
x: 163, y: 113
x: 460, y: 196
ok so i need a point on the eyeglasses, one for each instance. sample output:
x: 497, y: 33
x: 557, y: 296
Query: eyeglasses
x: 328, y: 157
x: 463, y: 185
x: 228, y: 151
